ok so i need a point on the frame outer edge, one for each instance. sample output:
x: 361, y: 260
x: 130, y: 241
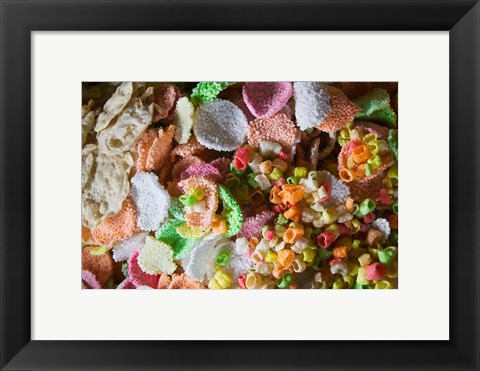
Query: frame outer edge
x: 465, y: 180
x: 15, y: 182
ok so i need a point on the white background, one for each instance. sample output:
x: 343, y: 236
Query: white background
x: 417, y: 310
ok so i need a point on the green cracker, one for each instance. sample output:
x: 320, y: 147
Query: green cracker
x: 231, y: 212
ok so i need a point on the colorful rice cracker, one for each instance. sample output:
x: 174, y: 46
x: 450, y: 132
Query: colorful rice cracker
x: 278, y: 129
x: 204, y: 219
x: 118, y: 227
x: 376, y: 107
x: 264, y: 99
x: 154, y: 148
x: 137, y: 276
x: 206, y: 92
x: 231, y: 212
x: 368, y: 186
x: 322, y: 106
x: 100, y: 266
x: 168, y: 233
x: 220, y: 125
x: 165, y: 96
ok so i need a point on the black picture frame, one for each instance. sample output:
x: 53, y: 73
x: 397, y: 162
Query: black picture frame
x: 18, y: 18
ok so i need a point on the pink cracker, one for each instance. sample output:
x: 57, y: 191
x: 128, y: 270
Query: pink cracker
x: 381, y: 131
x: 205, y: 170
x: 139, y: 277
x: 248, y: 211
x: 351, y: 146
x: 264, y: 99
x: 222, y: 164
x: 165, y: 96
x: 126, y: 284
x: 90, y: 279
x: 252, y: 227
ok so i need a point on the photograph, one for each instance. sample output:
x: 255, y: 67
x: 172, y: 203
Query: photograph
x: 239, y: 185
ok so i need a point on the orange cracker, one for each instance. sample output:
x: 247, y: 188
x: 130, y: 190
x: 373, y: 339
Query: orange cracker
x: 164, y: 281
x: 278, y: 128
x: 343, y: 111
x: 183, y: 281
x: 100, y: 265
x: 117, y: 227
x: 191, y: 148
x: 160, y: 149
x: 143, y: 147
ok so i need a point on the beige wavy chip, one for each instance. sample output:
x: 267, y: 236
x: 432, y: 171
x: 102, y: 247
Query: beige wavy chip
x: 88, y: 158
x: 117, y: 102
x: 105, y: 184
x: 89, y: 117
x: 130, y: 125
x: 184, y: 112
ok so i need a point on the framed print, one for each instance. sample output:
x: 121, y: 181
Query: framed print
x: 255, y: 152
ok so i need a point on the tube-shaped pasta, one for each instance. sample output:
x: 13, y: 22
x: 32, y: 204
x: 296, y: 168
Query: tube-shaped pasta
x: 339, y: 268
x: 383, y: 285
x: 300, y: 172
x: 232, y: 181
x: 280, y: 246
x: 271, y: 257
x: 299, y: 246
x: 318, y: 222
x: 263, y: 182
x: 309, y: 254
x: 263, y: 268
x: 346, y: 175
x: 361, y: 278
x: 317, y: 206
x: 268, y: 285
x: 311, y: 185
x: 318, y: 277
x: 280, y: 164
x: 275, y: 174
x: 279, y: 230
x: 349, y: 203
x: 374, y: 147
x: 360, y: 154
x: 257, y: 256
x: 340, y: 252
x: 285, y: 257
x: 375, y: 161
x: 255, y: 162
x: 253, y: 242
x: 307, y: 232
x: 293, y: 213
x: 337, y: 284
x: 256, y: 197
x: 253, y: 280
x: 266, y: 167
x: 251, y: 180
x: 292, y: 234
x: 298, y: 265
x: 329, y: 215
x: 269, y: 149
x: 367, y: 206
x: 348, y: 280
x: 369, y: 138
x: 242, y: 194
x: 274, y: 242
